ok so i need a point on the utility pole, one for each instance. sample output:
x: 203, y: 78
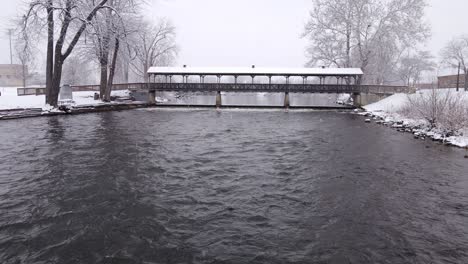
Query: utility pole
x: 11, y: 51
x: 458, y: 77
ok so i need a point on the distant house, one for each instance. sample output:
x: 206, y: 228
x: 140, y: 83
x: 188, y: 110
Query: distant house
x: 450, y: 81
x: 11, y: 75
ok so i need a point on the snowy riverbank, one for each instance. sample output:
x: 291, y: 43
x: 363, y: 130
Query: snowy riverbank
x: 394, y: 111
x: 10, y: 100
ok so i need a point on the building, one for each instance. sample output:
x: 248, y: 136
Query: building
x: 12, y: 75
x: 450, y: 81
x: 422, y: 86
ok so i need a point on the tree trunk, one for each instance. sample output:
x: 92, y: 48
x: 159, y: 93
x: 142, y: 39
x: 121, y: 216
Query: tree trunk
x: 103, y: 84
x: 126, y: 69
x: 112, y: 71
x: 145, y: 71
x: 24, y: 75
x: 54, y: 71
x: 466, y: 79
x: 50, y: 52
x: 348, y: 48
x: 56, y: 82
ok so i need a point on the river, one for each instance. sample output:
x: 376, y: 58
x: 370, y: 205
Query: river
x: 229, y: 186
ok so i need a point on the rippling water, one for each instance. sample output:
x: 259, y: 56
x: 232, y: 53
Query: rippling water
x: 166, y: 186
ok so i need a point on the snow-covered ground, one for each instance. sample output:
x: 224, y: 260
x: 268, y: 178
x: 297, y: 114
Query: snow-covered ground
x: 10, y: 100
x: 389, y: 111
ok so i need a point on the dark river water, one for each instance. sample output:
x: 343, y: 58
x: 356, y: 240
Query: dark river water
x: 207, y: 186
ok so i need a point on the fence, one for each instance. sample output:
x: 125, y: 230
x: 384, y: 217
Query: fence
x: 30, y: 91
x: 386, y: 89
x: 82, y: 88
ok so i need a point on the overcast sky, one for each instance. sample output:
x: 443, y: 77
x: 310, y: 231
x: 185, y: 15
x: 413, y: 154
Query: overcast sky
x: 246, y: 32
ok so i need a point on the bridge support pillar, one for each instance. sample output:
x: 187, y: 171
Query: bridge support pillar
x: 218, y: 99
x: 357, y: 99
x: 286, y: 100
x: 152, y: 97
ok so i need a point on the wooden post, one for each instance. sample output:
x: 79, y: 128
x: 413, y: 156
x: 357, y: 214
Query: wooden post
x: 152, y: 97
x: 286, y: 100
x: 218, y: 99
x: 458, y: 77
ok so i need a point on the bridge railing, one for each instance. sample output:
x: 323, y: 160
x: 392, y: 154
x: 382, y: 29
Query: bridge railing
x: 84, y: 88
x: 242, y: 87
x: 305, y: 88
x: 115, y: 87
x: 386, y: 89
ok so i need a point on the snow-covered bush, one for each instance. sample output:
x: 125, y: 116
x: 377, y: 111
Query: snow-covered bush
x: 427, y: 105
x: 444, y: 110
x: 455, y: 116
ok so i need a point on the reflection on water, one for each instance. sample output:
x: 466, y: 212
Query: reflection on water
x: 231, y: 186
x: 251, y: 99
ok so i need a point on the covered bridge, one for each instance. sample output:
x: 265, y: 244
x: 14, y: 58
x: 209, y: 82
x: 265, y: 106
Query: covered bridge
x: 330, y: 80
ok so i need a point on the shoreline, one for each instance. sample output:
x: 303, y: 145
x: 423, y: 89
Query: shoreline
x: 22, y: 113
x: 418, y: 129
x: 388, y: 112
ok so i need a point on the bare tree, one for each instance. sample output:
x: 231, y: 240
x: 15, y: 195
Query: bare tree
x: 153, y: 45
x: 78, y: 70
x: 412, y: 66
x: 455, y: 53
x: 330, y: 31
x: 67, y: 14
x: 360, y: 33
x: 104, y: 37
x: 24, y: 54
x: 124, y: 60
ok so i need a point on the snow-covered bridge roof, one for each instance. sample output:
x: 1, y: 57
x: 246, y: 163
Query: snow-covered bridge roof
x: 247, y: 71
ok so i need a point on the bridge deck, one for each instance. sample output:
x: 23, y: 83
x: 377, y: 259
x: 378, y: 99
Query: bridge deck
x: 272, y: 88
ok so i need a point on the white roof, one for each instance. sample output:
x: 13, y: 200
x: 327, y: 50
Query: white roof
x: 255, y: 71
